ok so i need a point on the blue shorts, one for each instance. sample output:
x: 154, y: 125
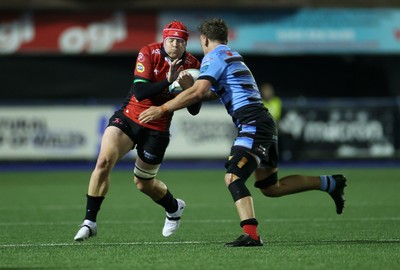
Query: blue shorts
x: 257, y: 134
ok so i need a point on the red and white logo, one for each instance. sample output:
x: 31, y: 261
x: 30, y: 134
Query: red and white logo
x: 141, y: 57
x: 97, y: 37
x: 16, y: 32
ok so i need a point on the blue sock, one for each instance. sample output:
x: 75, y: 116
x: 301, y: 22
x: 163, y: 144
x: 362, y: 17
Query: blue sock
x: 328, y: 183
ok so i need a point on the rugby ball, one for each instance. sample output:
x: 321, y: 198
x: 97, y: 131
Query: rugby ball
x: 176, y: 88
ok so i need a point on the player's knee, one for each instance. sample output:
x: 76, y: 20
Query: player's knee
x: 238, y: 169
x: 143, y: 185
x: 267, y: 185
x: 238, y: 189
x: 242, y: 164
x: 144, y: 178
x: 229, y: 178
x: 103, y: 166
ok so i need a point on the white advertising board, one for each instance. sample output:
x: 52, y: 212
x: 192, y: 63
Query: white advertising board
x: 209, y: 134
x: 74, y: 133
x: 51, y: 132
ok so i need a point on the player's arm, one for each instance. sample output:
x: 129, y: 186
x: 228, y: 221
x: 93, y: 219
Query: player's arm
x: 194, y: 109
x: 188, y: 97
x: 210, y: 95
x: 143, y: 89
x: 185, y: 80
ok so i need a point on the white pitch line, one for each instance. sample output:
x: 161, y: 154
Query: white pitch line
x: 271, y: 220
x: 343, y: 241
x: 102, y: 244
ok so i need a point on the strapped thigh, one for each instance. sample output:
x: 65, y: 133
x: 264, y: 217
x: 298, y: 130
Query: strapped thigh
x: 145, y: 174
x: 266, y: 182
x: 241, y: 163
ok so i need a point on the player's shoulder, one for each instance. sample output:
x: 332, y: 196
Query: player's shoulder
x: 151, y: 48
x: 215, y: 57
x: 226, y: 52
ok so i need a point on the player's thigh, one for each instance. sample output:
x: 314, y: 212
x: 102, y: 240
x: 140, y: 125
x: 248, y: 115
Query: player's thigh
x: 264, y: 172
x: 151, y: 145
x: 146, y: 166
x: 115, y: 143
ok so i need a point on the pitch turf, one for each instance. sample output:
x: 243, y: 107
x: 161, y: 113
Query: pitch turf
x: 40, y: 211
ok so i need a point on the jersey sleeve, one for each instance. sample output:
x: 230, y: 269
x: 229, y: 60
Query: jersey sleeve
x: 143, y: 67
x: 212, y: 68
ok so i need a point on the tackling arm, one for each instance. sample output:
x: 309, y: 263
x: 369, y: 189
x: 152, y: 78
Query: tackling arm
x: 188, y: 97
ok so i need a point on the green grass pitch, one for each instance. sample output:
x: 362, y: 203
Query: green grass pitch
x: 40, y: 212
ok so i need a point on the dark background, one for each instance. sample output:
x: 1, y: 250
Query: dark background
x: 110, y: 77
x: 93, y: 78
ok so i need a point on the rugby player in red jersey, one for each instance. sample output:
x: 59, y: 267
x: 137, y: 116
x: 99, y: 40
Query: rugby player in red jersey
x: 157, y: 66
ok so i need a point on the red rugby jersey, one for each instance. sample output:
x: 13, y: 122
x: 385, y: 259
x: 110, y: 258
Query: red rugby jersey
x: 152, y: 64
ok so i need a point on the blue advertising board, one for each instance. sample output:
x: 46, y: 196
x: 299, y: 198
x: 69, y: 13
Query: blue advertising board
x: 298, y: 31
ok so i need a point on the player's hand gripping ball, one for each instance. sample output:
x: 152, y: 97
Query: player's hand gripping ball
x: 175, y: 88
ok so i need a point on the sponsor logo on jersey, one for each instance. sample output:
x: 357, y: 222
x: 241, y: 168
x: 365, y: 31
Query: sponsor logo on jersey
x: 140, y: 67
x: 204, y: 67
x: 140, y: 57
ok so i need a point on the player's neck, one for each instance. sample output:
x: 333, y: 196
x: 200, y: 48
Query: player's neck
x: 213, y: 44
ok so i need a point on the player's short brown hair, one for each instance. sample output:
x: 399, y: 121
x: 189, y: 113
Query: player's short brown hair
x: 214, y: 29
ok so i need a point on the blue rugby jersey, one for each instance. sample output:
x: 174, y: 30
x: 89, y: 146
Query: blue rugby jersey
x: 231, y: 79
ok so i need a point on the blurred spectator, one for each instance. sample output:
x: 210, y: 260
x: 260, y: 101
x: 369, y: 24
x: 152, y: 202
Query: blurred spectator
x: 271, y: 102
x: 274, y: 105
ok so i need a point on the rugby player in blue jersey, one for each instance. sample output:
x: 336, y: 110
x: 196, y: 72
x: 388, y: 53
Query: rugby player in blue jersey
x: 224, y: 75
